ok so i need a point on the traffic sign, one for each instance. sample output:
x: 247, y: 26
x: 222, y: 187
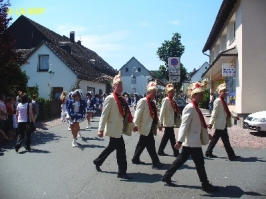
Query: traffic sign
x: 174, y: 72
x: 174, y: 78
x: 173, y: 63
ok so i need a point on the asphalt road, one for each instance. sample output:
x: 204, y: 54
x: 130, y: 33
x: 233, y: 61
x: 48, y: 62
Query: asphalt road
x: 53, y: 169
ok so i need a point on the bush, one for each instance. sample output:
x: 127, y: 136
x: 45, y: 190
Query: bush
x: 44, y: 108
x: 205, y: 103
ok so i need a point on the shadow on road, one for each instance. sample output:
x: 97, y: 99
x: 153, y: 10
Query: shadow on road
x: 34, y: 151
x: 145, y: 178
x: 232, y: 192
x: 250, y: 159
x: 259, y: 134
x: 84, y: 146
x: 86, y: 139
x: 39, y: 138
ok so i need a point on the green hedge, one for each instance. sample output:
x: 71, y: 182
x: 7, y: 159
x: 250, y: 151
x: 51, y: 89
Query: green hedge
x: 44, y: 108
x: 206, y: 98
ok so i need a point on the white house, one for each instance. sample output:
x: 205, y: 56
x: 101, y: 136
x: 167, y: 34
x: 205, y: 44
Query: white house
x: 237, y: 40
x: 198, y: 73
x: 135, y: 77
x: 56, y: 63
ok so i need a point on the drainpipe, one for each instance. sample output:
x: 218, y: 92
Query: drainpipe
x: 209, y: 65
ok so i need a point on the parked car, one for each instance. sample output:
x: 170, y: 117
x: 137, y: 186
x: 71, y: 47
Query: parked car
x: 180, y: 103
x: 256, y: 121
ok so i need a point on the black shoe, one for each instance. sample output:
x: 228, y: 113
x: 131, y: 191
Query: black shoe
x: 157, y: 165
x: 162, y: 154
x: 138, y: 162
x: 210, y: 156
x: 234, y: 158
x: 98, y: 168
x: 27, y: 148
x: 17, y: 147
x: 124, y: 176
x: 209, y: 188
x: 168, y: 182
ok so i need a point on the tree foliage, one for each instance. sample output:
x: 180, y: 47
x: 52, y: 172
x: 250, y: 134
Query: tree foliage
x: 172, y: 48
x: 12, y: 78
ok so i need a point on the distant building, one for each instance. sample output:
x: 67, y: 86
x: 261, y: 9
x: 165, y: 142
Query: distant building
x: 135, y: 77
x: 237, y: 41
x: 56, y: 63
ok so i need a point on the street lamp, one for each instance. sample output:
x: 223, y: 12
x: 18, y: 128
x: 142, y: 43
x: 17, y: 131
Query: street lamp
x: 132, y: 77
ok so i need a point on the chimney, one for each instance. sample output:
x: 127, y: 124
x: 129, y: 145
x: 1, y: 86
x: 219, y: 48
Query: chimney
x: 79, y: 42
x: 72, y: 36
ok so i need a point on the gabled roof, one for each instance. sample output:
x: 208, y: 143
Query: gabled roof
x: 222, y: 16
x: 133, y: 58
x: 30, y: 35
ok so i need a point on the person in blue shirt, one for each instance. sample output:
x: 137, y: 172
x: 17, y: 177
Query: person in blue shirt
x: 76, y: 110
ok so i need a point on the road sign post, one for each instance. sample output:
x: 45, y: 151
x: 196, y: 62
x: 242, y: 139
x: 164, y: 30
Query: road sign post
x: 174, y: 69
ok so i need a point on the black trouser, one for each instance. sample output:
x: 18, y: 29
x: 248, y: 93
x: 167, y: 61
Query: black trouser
x: 169, y: 134
x: 149, y: 143
x: 117, y: 144
x: 225, y: 138
x: 22, y: 132
x: 197, y: 157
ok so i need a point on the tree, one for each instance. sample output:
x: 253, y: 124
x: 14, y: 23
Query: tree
x: 172, y: 48
x: 12, y: 78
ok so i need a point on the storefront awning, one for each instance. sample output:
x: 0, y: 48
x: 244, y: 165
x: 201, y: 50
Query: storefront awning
x: 226, y: 56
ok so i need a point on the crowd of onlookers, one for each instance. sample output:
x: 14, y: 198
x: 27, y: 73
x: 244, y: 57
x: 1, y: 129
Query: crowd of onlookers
x: 9, y: 114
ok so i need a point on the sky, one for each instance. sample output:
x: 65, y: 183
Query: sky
x: 117, y: 30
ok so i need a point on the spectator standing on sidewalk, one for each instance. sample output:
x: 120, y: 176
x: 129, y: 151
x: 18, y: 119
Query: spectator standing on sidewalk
x: 22, y: 118
x: 193, y: 127
x: 220, y: 120
x: 9, y: 121
x: 3, y: 112
x: 211, y: 102
x: 35, y: 107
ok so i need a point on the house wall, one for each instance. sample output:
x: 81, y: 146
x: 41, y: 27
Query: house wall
x: 197, y: 76
x: 97, y: 86
x: 141, y: 77
x: 63, y: 75
x: 254, y: 59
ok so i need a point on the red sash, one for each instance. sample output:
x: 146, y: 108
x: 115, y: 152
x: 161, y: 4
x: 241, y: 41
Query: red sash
x: 200, y: 114
x: 150, y: 109
x: 174, y: 105
x: 130, y: 118
x: 225, y: 108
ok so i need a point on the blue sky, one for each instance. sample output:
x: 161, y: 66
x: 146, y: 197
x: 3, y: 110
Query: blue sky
x: 118, y: 30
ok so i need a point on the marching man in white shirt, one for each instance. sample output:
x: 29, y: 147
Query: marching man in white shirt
x: 169, y: 118
x: 192, y: 135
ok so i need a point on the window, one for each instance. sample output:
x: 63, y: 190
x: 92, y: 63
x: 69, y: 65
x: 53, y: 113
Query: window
x: 100, y: 91
x: 90, y: 89
x: 133, y: 80
x: 57, y: 92
x: 139, y: 69
x: 43, y: 63
x: 126, y: 69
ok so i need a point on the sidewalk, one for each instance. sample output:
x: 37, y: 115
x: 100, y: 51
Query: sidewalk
x: 239, y: 137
